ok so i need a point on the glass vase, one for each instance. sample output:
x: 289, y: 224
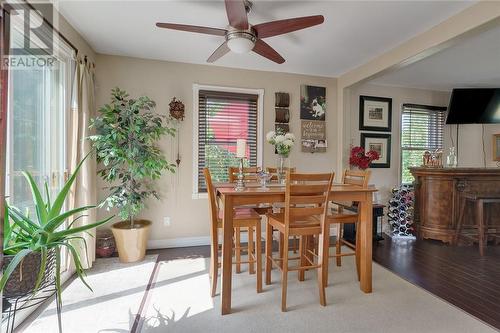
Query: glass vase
x: 281, y: 168
x: 451, y: 159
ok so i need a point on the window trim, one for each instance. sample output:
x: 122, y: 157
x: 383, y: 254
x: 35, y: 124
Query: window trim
x: 260, y: 127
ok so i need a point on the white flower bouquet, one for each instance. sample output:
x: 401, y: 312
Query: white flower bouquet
x: 283, y: 142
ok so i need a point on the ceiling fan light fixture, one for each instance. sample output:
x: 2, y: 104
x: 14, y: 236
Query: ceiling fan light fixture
x: 240, y: 45
x: 240, y: 41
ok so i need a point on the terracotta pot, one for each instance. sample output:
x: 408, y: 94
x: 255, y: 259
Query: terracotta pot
x: 131, y: 242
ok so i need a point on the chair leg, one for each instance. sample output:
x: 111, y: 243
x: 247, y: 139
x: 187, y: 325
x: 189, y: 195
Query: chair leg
x: 302, y: 253
x: 458, y: 227
x: 338, y: 245
x: 250, y: 251
x: 356, y: 250
x: 269, y: 251
x: 214, y: 266
x: 323, y: 255
x: 280, y: 246
x: 237, y: 249
x: 480, y: 221
x: 258, y: 253
x: 284, y: 274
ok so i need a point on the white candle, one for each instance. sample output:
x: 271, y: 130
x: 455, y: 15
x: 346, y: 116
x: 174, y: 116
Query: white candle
x: 241, y: 148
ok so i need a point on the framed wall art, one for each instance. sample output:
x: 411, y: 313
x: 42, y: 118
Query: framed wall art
x: 375, y: 113
x: 312, y: 102
x: 496, y: 147
x: 381, y: 143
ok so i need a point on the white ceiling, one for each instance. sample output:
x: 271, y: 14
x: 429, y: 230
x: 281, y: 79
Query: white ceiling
x: 353, y: 33
x: 472, y: 63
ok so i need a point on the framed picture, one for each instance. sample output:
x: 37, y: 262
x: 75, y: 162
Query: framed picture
x: 312, y: 102
x: 375, y: 113
x: 381, y: 143
x: 496, y: 147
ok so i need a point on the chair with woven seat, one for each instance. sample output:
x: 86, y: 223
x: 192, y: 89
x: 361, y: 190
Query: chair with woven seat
x: 306, y: 204
x: 339, y: 217
x: 243, y: 218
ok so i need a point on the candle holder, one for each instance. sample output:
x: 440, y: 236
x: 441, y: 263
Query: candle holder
x: 240, y: 184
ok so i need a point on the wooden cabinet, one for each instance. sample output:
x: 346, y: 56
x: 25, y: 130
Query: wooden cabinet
x: 438, y: 198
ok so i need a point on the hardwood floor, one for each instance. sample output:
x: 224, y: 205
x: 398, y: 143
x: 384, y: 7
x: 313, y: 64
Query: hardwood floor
x: 458, y: 275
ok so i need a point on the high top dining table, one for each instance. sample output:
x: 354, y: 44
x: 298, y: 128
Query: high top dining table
x: 253, y: 194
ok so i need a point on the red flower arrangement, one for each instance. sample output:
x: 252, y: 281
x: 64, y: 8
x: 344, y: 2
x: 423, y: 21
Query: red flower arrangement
x: 360, y: 159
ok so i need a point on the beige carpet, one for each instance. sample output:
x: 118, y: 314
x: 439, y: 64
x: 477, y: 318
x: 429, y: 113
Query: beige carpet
x: 180, y: 302
x: 118, y: 292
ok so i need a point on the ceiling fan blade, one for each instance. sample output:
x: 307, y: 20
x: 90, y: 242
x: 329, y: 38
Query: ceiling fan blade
x: 281, y: 27
x: 193, y: 28
x: 267, y: 51
x: 237, y: 14
x: 221, y: 50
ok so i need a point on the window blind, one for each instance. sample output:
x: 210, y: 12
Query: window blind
x: 422, y: 129
x: 224, y: 117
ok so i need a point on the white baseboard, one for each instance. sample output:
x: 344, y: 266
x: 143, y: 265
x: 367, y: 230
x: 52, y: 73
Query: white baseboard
x: 194, y: 241
x: 178, y: 242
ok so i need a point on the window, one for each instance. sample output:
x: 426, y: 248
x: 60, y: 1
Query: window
x: 421, y: 130
x: 224, y: 115
x: 38, y: 102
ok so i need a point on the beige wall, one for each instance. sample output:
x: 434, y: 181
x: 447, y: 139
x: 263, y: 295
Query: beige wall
x: 162, y: 80
x: 386, y: 178
x: 470, y: 136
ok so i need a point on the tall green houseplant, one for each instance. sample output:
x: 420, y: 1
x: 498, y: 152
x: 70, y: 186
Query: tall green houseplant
x: 126, y: 142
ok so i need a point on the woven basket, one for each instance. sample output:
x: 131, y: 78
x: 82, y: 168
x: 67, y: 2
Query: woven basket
x: 22, y: 280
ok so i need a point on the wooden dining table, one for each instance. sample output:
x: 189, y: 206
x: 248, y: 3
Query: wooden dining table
x: 253, y: 194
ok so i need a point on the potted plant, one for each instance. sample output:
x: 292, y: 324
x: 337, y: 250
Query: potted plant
x: 31, y: 242
x: 127, y: 133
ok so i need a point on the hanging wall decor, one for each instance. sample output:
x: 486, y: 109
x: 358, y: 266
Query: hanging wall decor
x: 312, y: 103
x: 312, y: 115
x: 176, y: 109
x: 313, y: 134
x: 177, y: 113
x: 282, y: 103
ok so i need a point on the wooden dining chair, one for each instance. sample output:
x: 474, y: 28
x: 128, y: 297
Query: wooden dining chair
x: 243, y: 218
x: 277, y: 206
x: 306, y: 204
x: 274, y: 171
x: 340, y: 217
x: 249, y: 175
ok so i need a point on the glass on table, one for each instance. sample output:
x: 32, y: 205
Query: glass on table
x: 264, y: 178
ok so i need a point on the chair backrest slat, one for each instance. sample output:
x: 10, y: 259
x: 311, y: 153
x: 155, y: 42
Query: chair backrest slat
x: 274, y: 171
x: 249, y: 173
x: 306, y: 195
x: 356, y: 177
x: 212, y: 204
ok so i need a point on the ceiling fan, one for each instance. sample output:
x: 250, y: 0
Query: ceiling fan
x: 242, y: 37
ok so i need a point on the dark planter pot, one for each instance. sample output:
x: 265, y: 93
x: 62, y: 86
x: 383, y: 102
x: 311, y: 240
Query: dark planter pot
x: 22, y: 280
x: 105, y: 244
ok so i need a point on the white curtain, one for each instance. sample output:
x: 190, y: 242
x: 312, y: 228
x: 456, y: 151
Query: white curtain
x: 84, y: 190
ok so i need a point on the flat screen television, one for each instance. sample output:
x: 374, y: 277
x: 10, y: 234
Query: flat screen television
x: 474, y: 106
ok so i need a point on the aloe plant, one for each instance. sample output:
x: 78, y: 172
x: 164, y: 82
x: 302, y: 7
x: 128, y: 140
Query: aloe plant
x: 24, y: 235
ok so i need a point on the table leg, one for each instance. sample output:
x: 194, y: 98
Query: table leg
x: 227, y: 244
x: 365, y: 228
x: 480, y: 227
